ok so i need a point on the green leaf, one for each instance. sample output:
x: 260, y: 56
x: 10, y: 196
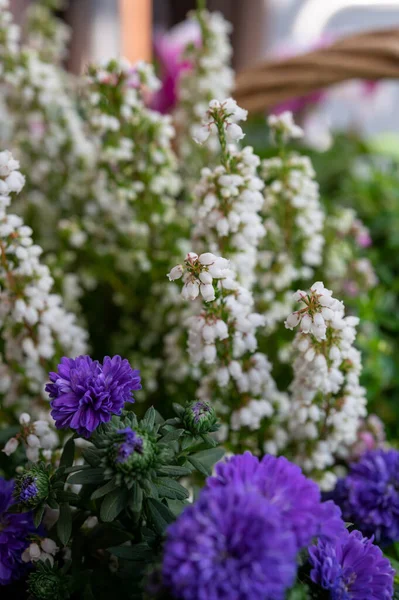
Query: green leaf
x: 104, y: 490
x: 113, y: 504
x: 135, y: 498
x: 189, y: 440
x: 105, y: 535
x: 169, y: 488
x: 174, y: 470
x: 171, y: 436
x: 177, y: 506
x: 91, y: 456
x: 137, y: 552
x: 160, y: 515
x: 66, y: 496
x: 64, y: 523
x: 149, y: 418
x: 88, y: 476
x: 68, y: 453
x: 204, y: 460
x: 38, y: 515
x: 178, y: 408
x: 299, y: 592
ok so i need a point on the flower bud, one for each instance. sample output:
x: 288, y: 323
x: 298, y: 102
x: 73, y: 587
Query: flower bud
x: 199, y: 417
x: 32, y: 486
x: 47, y: 583
x: 24, y: 419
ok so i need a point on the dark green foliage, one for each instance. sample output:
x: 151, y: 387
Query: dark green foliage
x: 133, y: 501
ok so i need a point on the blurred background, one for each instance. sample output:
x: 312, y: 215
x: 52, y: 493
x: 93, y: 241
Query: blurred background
x: 262, y: 29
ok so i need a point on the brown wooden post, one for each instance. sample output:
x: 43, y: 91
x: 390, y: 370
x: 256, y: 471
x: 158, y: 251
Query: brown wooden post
x: 136, y: 29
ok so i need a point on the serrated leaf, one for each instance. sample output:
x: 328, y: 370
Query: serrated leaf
x: 137, y: 552
x: 149, y: 418
x: 169, y: 488
x: 160, y: 515
x: 136, y: 498
x: 64, y: 523
x: 113, y: 504
x: 88, y: 476
x: 68, y: 453
x: 174, y: 470
x: 91, y: 456
x: 204, y: 460
x: 104, y: 490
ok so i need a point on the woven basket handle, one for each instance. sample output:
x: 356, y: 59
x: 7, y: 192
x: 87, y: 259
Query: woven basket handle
x: 371, y: 55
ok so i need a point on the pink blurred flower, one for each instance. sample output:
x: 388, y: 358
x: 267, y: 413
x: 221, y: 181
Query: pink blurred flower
x: 371, y: 435
x: 169, y: 48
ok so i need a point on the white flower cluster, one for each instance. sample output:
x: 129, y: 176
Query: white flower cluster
x: 293, y: 220
x: 34, y: 325
x: 327, y: 401
x: 210, y: 76
x: 46, y: 551
x: 283, y: 128
x: 136, y: 167
x: 221, y: 116
x: 228, y: 199
x: 222, y: 340
x: 348, y: 272
x: 41, y: 124
x: 46, y: 34
x: 38, y: 437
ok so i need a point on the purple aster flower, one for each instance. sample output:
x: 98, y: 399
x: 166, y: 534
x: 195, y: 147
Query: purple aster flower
x: 132, y: 443
x: 369, y: 495
x: 352, y: 568
x: 232, y: 544
x: 85, y: 393
x: 14, y: 530
x: 283, y: 484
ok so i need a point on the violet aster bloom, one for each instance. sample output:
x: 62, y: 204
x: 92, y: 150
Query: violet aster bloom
x: 85, y: 393
x: 369, y: 495
x: 283, y: 484
x: 14, y: 530
x: 352, y: 568
x: 232, y: 544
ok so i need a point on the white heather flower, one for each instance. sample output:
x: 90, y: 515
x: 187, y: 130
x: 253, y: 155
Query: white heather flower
x: 207, y: 292
x: 10, y: 446
x: 190, y: 290
x: 49, y: 546
x: 327, y: 401
x: 175, y: 273
x: 33, y: 441
x: 234, y: 133
x: 200, y: 133
x: 24, y: 419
